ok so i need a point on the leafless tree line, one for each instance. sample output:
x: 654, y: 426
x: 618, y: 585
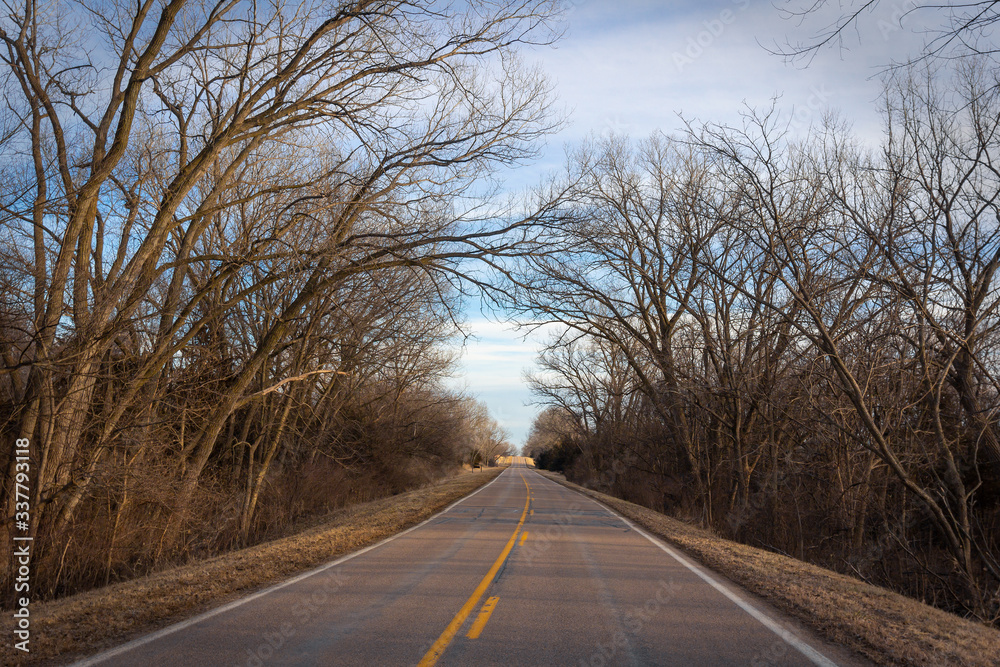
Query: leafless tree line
x: 232, y: 239
x: 793, y: 341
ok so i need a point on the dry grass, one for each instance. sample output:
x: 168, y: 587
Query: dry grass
x: 886, y: 627
x: 85, y: 623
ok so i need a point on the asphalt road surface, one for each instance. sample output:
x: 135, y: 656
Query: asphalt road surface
x: 522, y: 572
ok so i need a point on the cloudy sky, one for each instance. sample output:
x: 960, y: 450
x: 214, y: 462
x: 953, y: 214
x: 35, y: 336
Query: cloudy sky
x: 635, y: 66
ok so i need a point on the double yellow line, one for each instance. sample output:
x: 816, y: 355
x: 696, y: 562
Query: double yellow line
x: 438, y: 648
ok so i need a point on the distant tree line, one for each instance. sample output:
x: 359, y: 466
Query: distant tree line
x: 794, y: 341
x: 233, y: 236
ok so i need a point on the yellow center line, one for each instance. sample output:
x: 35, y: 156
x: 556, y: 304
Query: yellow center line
x: 438, y: 648
x: 524, y: 536
x: 484, y: 616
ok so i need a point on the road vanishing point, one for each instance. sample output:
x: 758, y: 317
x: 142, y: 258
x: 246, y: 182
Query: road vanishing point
x: 523, y: 571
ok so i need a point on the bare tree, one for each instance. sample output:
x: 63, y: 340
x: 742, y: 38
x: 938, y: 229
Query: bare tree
x: 820, y: 318
x: 626, y: 270
x: 952, y: 29
x: 834, y: 240
x: 191, y: 165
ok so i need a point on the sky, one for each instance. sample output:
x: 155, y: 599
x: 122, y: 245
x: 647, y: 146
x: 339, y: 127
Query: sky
x: 632, y: 67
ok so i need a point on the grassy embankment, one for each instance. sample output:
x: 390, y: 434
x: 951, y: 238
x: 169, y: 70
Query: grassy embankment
x: 85, y: 623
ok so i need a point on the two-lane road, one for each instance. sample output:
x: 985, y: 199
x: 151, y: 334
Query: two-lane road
x: 522, y: 572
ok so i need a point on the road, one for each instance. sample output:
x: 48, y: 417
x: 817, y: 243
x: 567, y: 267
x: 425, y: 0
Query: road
x: 522, y: 572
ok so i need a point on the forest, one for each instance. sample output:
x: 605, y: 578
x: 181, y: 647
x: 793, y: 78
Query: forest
x: 791, y: 340
x: 238, y: 241
x: 229, y: 276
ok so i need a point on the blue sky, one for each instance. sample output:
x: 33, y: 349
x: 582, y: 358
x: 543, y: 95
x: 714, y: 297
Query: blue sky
x: 631, y: 67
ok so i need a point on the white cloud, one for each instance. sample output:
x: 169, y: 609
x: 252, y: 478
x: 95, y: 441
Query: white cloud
x: 630, y: 67
x: 617, y: 70
x: 493, y: 362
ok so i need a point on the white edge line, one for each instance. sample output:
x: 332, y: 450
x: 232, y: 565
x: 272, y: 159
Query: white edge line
x: 787, y: 635
x: 182, y: 625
